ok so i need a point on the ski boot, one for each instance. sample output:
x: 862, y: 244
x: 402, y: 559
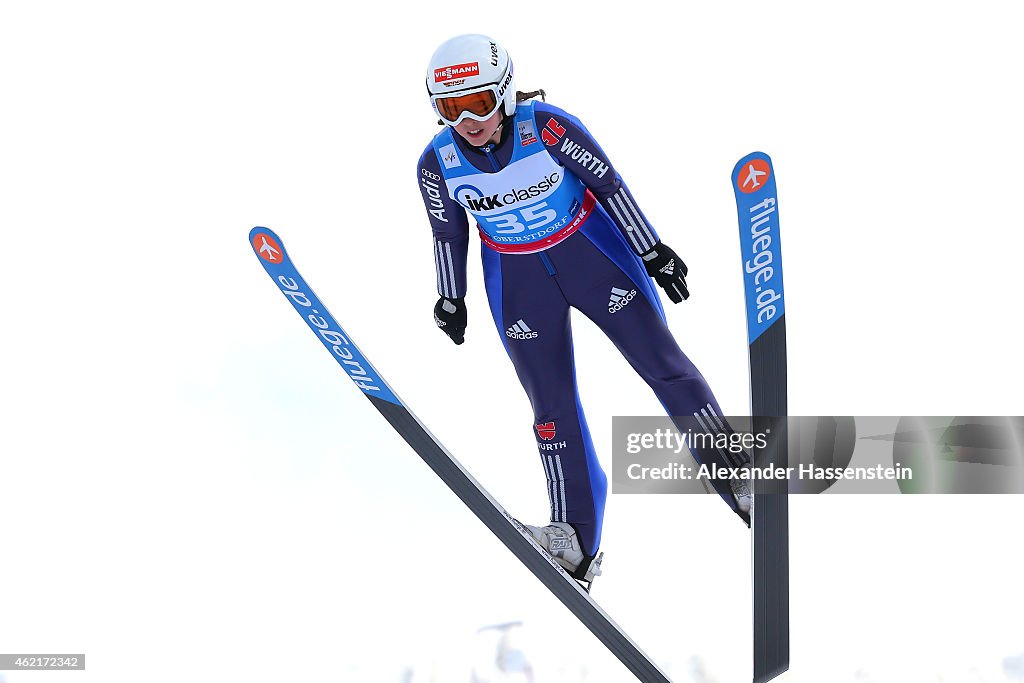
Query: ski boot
x: 561, y: 542
x: 743, y: 494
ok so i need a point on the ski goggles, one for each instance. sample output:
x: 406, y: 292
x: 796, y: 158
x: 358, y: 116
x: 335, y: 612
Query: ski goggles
x: 478, y: 104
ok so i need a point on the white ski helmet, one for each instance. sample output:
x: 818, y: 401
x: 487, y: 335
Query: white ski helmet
x: 470, y: 76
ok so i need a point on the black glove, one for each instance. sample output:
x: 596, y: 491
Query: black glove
x: 668, y: 270
x: 450, y: 316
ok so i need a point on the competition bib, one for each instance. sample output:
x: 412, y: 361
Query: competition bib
x: 531, y: 204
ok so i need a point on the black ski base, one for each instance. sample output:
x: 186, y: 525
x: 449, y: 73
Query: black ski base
x: 770, y: 528
x: 770, y: 531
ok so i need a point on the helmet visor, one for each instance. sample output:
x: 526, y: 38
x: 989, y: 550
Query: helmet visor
x: 477, y: 105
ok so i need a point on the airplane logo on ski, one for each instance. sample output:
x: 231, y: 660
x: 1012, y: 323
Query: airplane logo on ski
x: 267, y: 248
x: 752, y: 176
x: 755, y: 170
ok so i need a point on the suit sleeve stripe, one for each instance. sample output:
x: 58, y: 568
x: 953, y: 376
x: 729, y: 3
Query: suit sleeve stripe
x: 641, y: 223
x: 445, y: 271
x: 638, y: 242
x: 451, y: 267
x: 622, y: 213
x: 437, y: 269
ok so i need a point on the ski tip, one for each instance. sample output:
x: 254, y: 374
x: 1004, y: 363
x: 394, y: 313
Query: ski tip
x: 751, y: 157
x: 267, y: 245
x: 258, y: 229
x: 752, y: 173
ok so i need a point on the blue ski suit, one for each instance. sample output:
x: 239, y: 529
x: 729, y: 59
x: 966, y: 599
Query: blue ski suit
x: 558, y: 229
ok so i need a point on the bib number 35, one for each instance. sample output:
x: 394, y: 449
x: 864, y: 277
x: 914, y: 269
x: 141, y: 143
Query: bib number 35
x: 530, y: 217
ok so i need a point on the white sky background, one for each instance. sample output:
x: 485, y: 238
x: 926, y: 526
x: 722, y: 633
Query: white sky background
x: 190, y: 490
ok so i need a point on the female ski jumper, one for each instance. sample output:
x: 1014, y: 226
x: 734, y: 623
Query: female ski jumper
x: 559, y: 229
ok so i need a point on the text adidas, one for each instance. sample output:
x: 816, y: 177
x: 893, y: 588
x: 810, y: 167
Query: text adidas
x: 620, y: 299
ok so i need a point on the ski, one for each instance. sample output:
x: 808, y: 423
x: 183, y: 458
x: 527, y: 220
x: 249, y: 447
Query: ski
x: 271, y: 252
x: 753, y: 180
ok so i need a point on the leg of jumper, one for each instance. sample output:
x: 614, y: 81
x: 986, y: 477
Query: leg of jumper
x: 618, y: 297
x: 532, y: 317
